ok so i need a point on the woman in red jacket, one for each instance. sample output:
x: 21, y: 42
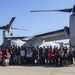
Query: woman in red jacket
x: 51, y: 56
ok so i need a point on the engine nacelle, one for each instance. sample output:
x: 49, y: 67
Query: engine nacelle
x: 67, y: 30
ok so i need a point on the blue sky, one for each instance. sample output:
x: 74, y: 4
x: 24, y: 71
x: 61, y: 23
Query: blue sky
x: 35, y: 23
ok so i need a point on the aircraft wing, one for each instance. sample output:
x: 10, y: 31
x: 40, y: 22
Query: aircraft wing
x: 49, y: 36
x: 54, y: 35
x: 13, y: 38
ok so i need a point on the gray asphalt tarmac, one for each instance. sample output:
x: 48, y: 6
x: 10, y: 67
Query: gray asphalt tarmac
x: 37, y: 70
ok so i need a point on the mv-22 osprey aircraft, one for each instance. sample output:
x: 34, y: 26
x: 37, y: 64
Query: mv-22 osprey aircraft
x: 41, y: 39
x: 8, y: 38
x: 70, y: 31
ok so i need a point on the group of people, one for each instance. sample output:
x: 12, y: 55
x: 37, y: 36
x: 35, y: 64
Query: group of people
x: 32, y: 56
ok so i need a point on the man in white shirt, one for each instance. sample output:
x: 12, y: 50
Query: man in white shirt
x: 22, y: 55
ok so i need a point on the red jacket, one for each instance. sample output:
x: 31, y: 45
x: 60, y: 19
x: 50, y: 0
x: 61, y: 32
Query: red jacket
x: 52, y: 54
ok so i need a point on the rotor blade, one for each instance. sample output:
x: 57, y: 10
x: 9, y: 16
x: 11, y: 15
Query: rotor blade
x: 62, y: 10
x: 11, y: 21
x: 19, y: 29
x: 3, y: 27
